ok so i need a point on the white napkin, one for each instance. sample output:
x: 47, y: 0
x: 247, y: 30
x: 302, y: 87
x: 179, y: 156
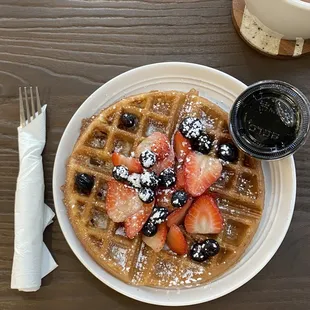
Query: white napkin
x: 32, y: 260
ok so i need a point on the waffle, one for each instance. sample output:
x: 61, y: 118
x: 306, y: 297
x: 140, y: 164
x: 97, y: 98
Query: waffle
x: 239, y: 192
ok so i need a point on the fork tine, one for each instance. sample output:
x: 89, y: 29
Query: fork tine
x: 27, y: 105
x: 38, y: 101
x: 21, y: 109
x: 33, y: 111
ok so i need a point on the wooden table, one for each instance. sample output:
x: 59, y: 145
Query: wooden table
x: 69, y: 48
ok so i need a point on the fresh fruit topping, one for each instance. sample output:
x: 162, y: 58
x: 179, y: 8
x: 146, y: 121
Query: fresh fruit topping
x: 227, y: 152
x: 202, y: 144
x: 211, y: 247
x: 149, y: 229
x: 191, y: 128
x: 201, y: 172
x: 128, y: 119
x: 146, y: 194
x: 134, y: 180
x: 204, y: 217
x: 157, y: 142
x: 167, y: 162
x: 131, y: 163
x: 122, y: 201
x: 197, y: 253
x: 147, y: 159
x: 159, y: 215
x: 180, y: 178
x: 163, y: 197
x: 157, y: 242
x: 167, y: 178
x: 181, y: 146
x: 134, y: 223
x: 84, y: 183
x: 177, y: 217
x: 179, y: 199
x: 149, y: 179
x: 120, y: 173
x: 176, y: 240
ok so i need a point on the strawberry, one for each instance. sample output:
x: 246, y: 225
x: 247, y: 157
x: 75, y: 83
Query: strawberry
x: 131, y: 163
x: 134, y: 223
x: 163, y: 197
x: 180, y: 178
x: 176, y: 240
x: 182, y: 146
x: 201, y: 172
x: 167, y: 162
x: 156, y: 142
x: 157, y: 242
x: 122, y: 201
x: 204, y: 217
x: 176, y: 217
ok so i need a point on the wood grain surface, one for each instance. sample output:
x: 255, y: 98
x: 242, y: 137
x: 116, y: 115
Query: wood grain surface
x: 69, y: 48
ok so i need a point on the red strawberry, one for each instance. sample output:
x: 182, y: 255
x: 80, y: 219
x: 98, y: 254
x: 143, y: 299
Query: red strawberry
x: 204, y: 217
x: 122, y: 201
x: 180, y: 178
x: 182, y: 146
x: 176, y: 240
x: 176, y: 217
x: 167, y: 162
x: 201, y: 172
x: 156, y: 142
x: 134, y: 223
x: 163, y: 197
x: 131, y: 163
x: 158, y: 241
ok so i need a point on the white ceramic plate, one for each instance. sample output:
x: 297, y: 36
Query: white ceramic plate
x: 280, y: 180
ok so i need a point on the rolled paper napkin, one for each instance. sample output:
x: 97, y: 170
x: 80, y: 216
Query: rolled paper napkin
x: 32, y: 260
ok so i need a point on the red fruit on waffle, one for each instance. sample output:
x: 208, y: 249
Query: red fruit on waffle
x: 180, y: 178
x: 204, y: 217
x: 201, y: 171
x: 177, y: 217
x: 158, y: 241
x: 182, y: 146
x: 163, y: 197
x: 133, y: 164
x: 122, y: 201
x: 157, y: 142
x: 167, y: 162
x: 176, y: 240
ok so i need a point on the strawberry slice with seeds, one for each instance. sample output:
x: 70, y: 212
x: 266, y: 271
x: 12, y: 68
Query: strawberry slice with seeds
x: 134, y: 223
x: 167, y: 162
x: 176, y: 240
x: 182, y: 146
x: 180, y: 178
x: 201, y: 172
x: 133, y: 164
x: 157, y: 142
x: 122, y: 201
x: 163, y: 197
x: 204, y: 217
x: 158, y: 241
x: 177, y: 217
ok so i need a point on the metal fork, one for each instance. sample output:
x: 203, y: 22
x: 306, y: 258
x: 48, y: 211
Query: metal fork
x: 26, y: 119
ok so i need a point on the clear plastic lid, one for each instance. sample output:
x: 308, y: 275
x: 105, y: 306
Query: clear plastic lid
x: 270, y: 120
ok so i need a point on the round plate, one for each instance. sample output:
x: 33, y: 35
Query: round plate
x: 280, y: 180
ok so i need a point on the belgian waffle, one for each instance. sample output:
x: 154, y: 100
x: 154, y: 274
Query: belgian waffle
x: 239, y: 192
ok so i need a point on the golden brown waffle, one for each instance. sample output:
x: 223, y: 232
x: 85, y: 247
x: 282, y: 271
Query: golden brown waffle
x: 239, y: 192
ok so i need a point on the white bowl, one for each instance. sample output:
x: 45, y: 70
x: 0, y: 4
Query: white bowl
x: 280, y: 180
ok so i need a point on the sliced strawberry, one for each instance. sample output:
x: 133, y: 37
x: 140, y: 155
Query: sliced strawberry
x: 156, y: 142
x: 163, y: 197
x: 167, y: 162
x: 122, y: 201
x: 204, y: 217
x: 201, y: 171
x: 134, y: 223
x: 182, y: 146
x: 133, y: 164
x: 176, y: 240
x: 177, y: 217
x: 158, y: 241
x: 180, y: 178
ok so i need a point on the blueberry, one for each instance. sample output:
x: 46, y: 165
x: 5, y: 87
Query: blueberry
x: 147, y: 159
x: 227, y: 152
x: 149, y: 229
x: 179, y: 199
x: 210, y: 247
x: 167, y: 178
x: 159, y: 215
x: 191, y: 128
x: 202, y: 144
x: 149, y: 179
x: 128, y: 120
x: 197, y: 253
x: 84, y: 183
x: 146, y: 194
x: 134, y: 180
x: 120, y: 173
